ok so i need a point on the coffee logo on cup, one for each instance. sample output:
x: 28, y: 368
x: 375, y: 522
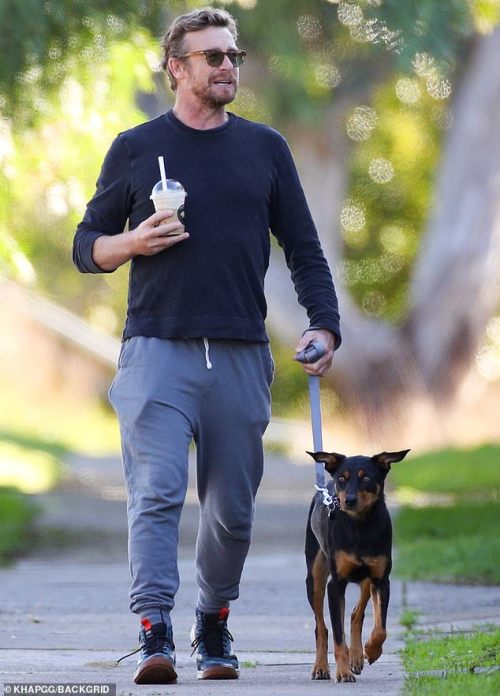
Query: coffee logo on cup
x: 181, y: 214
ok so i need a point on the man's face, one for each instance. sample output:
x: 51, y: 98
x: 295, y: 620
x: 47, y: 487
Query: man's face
x: 212, y: 86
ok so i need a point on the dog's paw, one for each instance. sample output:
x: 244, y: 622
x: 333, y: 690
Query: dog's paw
x: 320, y: 671
x: 356, y: 662
x: 372, y: 651
x: 345, y: 676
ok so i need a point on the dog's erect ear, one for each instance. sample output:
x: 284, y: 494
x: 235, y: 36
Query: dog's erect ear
x: 331, y: 459
x: 385, y: 459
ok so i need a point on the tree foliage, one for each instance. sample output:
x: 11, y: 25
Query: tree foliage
x: 49, y: 172
x: 314, y: 54
x: 44, y: 41
x: 299, y: 45
x: 375, y: 76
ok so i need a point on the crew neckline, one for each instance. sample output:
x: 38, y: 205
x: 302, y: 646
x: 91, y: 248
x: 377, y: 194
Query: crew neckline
x: 201, y: 131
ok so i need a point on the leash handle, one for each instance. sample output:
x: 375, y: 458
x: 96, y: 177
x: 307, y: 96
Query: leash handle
x: 311, y: 353
x: 315, y: 405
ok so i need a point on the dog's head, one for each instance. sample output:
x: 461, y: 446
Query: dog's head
x: 359, y: 481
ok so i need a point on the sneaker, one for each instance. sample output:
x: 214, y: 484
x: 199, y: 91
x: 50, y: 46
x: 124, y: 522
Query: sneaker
x: 156, y: 661
x: 211, y: 641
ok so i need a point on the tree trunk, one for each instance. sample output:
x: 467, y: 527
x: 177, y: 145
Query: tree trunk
x: 456, y: 287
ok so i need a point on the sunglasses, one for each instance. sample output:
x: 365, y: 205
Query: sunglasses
x: 215, y: 58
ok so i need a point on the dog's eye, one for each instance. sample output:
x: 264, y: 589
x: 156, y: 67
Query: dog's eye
x: 341, y: 479
x: 366, y: 479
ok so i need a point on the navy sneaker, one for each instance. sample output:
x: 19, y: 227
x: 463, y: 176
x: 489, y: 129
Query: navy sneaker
x: 156, y: 661
x: 211, y: 641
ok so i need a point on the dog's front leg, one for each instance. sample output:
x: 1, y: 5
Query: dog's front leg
x: 356, y: 657
x: 316, y: 585
x: 336, y: 603
x: 380, y: 591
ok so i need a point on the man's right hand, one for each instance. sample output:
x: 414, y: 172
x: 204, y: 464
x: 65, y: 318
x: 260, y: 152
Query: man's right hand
x: 152, y: 235
x: 149, y: 238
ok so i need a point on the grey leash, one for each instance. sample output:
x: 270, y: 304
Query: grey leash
x: 312, y: 352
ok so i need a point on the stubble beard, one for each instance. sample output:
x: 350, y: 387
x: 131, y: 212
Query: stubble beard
x: 209, y: 98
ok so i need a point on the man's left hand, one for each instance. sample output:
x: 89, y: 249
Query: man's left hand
x: 327, y: 339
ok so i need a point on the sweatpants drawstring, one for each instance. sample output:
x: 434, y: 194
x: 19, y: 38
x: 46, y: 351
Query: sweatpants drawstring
x: 207, y: 356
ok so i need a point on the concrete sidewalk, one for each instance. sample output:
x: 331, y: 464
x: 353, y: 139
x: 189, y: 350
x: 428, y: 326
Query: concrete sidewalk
x: 64, y: 613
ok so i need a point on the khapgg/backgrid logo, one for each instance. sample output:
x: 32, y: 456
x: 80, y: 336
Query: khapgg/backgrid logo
x: 58, y: 689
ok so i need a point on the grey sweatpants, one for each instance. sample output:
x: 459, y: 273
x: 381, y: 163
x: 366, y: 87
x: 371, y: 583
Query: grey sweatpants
x: 166, y: 393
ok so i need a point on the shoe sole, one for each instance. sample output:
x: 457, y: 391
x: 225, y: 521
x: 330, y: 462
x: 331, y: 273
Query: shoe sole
x: 156, y: 671
x: 219, y: 673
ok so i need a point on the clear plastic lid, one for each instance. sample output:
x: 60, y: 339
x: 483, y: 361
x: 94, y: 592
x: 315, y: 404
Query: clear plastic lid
x: 172, y: 186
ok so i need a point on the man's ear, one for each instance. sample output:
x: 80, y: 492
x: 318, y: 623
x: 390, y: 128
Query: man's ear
x: 385, y: 459
x: 176, y: 67
x: 331, y: 459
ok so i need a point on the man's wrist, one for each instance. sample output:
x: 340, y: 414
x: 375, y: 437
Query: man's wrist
x: 335, y: 338
x: 130, y: 238
x: 318, y: 328
x: 313, y: 328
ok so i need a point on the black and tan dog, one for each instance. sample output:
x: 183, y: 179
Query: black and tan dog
x: 351, y: 543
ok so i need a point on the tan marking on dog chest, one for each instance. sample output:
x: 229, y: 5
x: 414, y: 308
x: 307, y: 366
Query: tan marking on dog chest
x: 377, y: 565
x: 345, y: 563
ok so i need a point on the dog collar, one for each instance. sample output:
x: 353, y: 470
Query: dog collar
x: 335, y: 505
x: 330, y: 501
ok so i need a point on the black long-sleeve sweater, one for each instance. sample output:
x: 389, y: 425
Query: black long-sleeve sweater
x: 241, y: 182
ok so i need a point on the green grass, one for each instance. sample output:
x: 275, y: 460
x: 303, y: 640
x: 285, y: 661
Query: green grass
x: 457, y: 685
x: 458, y: 542
x: 453, y: 471
x: 17, y: 514
x: 31, y: 441
x: 90, y: 430
x: 409, y: 618
x: 35, y: 437
x: 447, y: 522
x: 27, y: 463
x: 455, y: 657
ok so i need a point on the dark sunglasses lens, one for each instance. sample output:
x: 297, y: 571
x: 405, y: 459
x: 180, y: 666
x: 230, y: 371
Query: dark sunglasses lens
x: 215, y: 58
x: 236, y: 58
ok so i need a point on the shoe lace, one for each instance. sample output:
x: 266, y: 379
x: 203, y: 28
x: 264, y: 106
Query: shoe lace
x: 215, y: 639
x: 128, y: 655
x: 152, y: 644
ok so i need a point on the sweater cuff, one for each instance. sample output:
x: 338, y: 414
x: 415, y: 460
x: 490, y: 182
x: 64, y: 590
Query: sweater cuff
x: 335, y: 331
x: 83, y: 254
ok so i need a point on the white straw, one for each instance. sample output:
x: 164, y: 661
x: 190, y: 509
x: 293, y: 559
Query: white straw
x: 162, y: 172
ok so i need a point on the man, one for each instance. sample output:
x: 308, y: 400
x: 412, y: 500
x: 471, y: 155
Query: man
x: 195, y: 362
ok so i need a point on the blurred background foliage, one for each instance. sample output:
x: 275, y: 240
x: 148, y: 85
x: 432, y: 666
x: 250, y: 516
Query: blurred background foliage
x: 378, y: 74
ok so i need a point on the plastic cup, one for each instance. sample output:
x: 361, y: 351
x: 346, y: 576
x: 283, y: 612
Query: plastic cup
x: 170, y: 199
